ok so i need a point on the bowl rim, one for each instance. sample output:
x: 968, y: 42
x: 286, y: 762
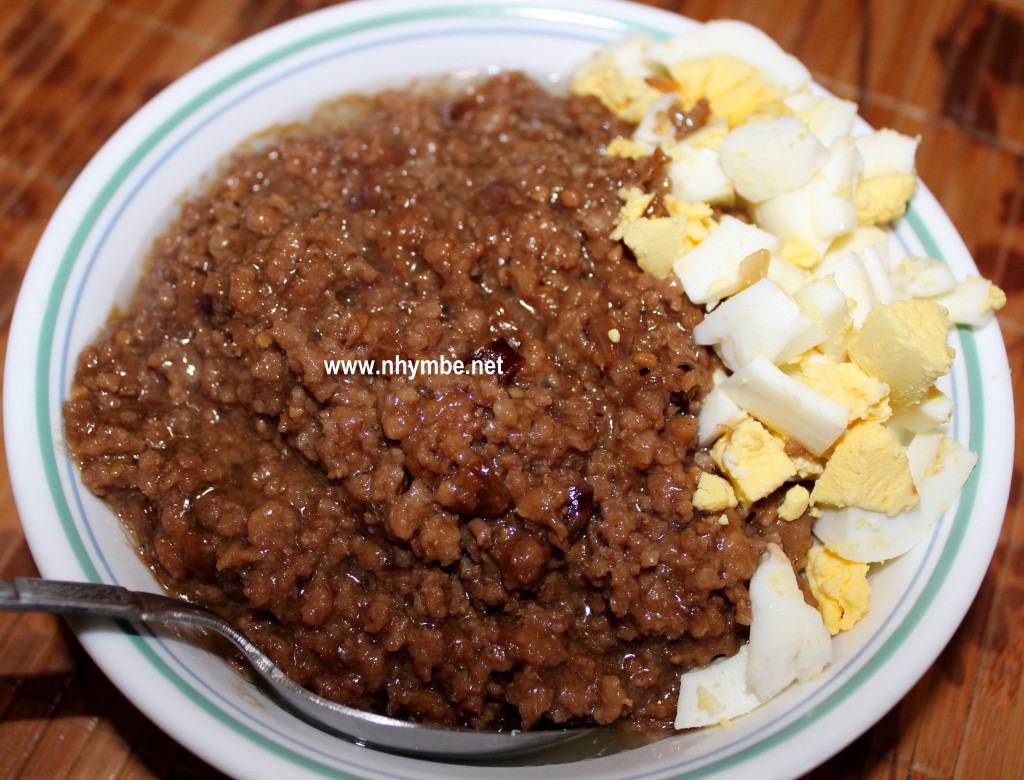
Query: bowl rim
x: 28, y: 384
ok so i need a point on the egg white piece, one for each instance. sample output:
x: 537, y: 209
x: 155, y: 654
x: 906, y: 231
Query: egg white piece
x: 823, y: 208
x: 827, y: 306
x: 760, y: 320
x: 878, y: 275
x: 696, y: 175
x: 922, y: 277
x: 826, y: 116
x: 852, y: 277
x: 787, y: 405
x: 941, y: 480
x: 970, y: 302
x: 863, y: 536
x: 788, y: 638
x: 711, y: 270
x: 716, y: 692
x: 788, y: 642
x: 886, y: 151
x: 781, y: 71
x: 932, y: 411
x: 786, y: 275
x: 857, y: 239
x: 768, y: 159
x: 718, y: 413
x: 921, y: 452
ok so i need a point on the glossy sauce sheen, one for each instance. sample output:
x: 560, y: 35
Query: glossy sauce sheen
x: 508, y: 550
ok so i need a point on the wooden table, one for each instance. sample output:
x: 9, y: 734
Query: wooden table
x: 71, y: 71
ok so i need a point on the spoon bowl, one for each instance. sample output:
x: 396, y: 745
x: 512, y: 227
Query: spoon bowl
x: 407, y: 738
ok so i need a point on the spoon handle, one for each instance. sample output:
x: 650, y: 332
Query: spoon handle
x: 28, y: 594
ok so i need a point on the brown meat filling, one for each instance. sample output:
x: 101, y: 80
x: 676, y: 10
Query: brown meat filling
x: 496, y: 551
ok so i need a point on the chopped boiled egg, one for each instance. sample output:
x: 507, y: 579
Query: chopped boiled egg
x: 941, y: 476
x: 755, y: 462
x: 770, y: 158
x: 787, y: 405
x: 713, y: 269
x: 865, y: 397
x: 657, y: 127
x: 868, y: 537
x: 795, y: 503
x: 926, y: 415
x: 713, y: 493
x: 818, y: 211
x: 878, y: 275
x: 786, y: 275
x: 788, y: 642
x: 940, y: 467
x: 788, y: 639
x: 655, y: 242
x: 730, y: 85
x: 889, y: 179
x: 709, y: 137
x: 884, y: 198
x: 781, y: 71
x: 808, y: 466
x: 921, y: 452
x: 618, y: 76
x: 827, y: 305
x: 626, y: 147
x: 922, y: 277
x: 857, y: 240
x: 972, y: 301
x: 886, y: 151
x: 840, y: 587
x: 716, y: 693
x: 826, y: 116
x: 760, y: 320
x: 700, y: 219
x: 635, y: 203
x: 696, y: 174
x: 718, y: 413
x: 868, y: 469
x: 850, y: 275
x: 799, y: 253
x: 862, y: 278
x: 833, y: 339
x: 904, y: 345
x: 694, y: 211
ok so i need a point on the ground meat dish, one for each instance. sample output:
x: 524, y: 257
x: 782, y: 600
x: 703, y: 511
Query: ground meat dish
x: 496, y: 551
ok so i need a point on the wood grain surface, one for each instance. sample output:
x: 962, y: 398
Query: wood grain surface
x: 71, y: 71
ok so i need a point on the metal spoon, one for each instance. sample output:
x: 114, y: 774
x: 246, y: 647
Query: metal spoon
x: 365, y: 728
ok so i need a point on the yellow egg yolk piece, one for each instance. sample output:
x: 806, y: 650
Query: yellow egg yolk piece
x: 753, y: 459
x: 840, y: 587
x: 868, y: 469
x: 713, y: 493
x: 903, y: 344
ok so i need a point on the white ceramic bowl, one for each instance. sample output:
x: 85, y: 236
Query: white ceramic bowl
x: 88, y: 260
